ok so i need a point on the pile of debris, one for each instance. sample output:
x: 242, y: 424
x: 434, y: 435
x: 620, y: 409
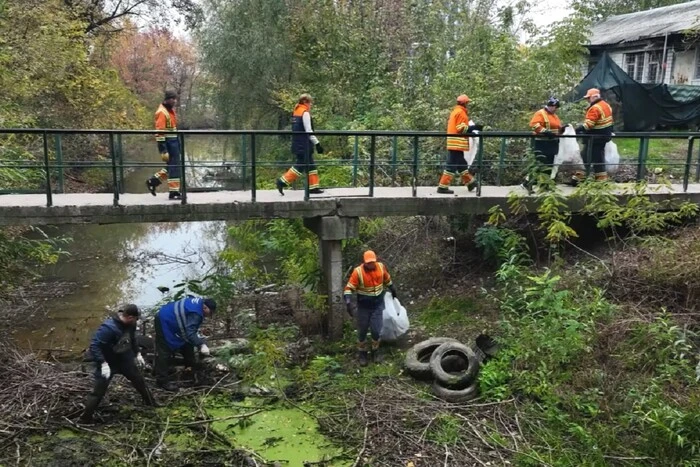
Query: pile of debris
x: 451, y: 366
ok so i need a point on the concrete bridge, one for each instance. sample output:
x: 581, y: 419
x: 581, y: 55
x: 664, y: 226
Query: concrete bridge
x: 332, y: 216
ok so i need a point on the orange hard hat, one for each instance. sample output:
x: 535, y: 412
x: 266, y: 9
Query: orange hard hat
x: 369, y: 257
x: 463, y: 99
x: 592, y: 92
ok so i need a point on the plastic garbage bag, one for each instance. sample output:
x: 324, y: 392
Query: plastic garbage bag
x: 470, y: 155
x: 612, y: 158
x: 569, y: 156
x: 394, y: 319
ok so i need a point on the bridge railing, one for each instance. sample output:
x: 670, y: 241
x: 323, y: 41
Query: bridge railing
x: 370, y: 158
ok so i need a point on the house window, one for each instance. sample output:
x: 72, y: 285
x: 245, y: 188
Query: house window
x: 697, y: 63
x: 634, y: 65
x: 654, y: 67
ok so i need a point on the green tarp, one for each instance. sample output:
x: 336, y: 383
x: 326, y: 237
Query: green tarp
x: 644, y: 106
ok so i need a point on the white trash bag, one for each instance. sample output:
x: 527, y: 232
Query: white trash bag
x: 612, y: 158
x: 394, y: 319
x: 470, y: 155
x: 568, y: 159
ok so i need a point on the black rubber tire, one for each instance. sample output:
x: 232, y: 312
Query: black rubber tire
x: 458, y: 379
x: 418, y: 357
x: 485, y: 347
x: 456, y: 395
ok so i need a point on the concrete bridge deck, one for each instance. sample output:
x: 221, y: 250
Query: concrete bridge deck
x: 98, y: 208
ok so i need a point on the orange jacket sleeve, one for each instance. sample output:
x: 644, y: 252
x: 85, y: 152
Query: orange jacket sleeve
x: 592, y: 116
x: 462, y: 121
x: 353, y: 282
x: 387, y: 277
x: 537, y: 123
x: 160, y: 125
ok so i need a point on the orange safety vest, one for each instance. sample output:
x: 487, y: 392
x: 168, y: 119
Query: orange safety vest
x: 543, y: 120
x: 458, y: 123
x: 166, y: 120
x: 598, y: 116
x: 368, y: 283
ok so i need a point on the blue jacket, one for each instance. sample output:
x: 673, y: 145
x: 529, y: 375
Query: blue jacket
x: 181, y: 321
x: 113, y: 341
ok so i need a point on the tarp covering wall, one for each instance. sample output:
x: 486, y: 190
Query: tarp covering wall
x: 643, y: 106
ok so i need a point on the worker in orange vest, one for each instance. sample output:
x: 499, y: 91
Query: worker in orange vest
x: 546, y: 125
x: 370, y: 281
x: 457, y: 145
x: 303, y: 144
x: 598, y: 121
x: 168, y: 147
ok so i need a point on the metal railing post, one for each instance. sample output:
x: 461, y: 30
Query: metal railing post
x: 642, y: 157
x: 697, y: 170
x: 589, y: 155
x: 113, y: 157
x: 414, y: 178
x: 58, y: 147
x: 479, y: 165
x: 49, y: 195
x: 394, y: 149
x: 183, y: 166
x: 688, y: 161
x: 244, y: 161
x: 355, y: 157
x: 253, y: 193
x: 501, y: 161
x: 120, y: 153
x: 307, y: 163
x: 372, y: 150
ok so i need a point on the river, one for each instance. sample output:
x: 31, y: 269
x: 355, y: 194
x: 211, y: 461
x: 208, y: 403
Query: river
x: 111, y: 265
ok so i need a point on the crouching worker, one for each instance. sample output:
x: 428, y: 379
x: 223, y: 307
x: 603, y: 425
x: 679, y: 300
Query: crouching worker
x: 114, y: 350
x: 177, y: 331
x: 369, y: 281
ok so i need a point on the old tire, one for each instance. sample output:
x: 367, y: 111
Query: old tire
x: 418, y: 357
x: 456, y: 395
x: 458, y: 379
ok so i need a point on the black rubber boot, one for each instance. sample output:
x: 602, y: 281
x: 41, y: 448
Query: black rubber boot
x: 90, y: 406
x: 471, y: 185
x: 174, y: 195
x: 363, y: 357
x: 280, y: 186
x: 378, y: 355
x: 152, y: 183
x: 315, y: 191
x: 445, y: 191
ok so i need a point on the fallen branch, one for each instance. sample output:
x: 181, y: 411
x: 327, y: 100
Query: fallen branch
x: 362, y: 451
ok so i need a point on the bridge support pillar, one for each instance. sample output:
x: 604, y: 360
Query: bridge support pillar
x: 331, y: 231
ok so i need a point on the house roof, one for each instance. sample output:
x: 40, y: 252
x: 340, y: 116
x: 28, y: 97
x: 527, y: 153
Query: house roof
x: 646, y: 24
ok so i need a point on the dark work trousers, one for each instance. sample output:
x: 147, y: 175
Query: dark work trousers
x: 456, y: 163
x: 164, y: 352
x: 597, y: 159
x: 126, y: 367
x: 545, y: 150
x: 173, y: 145
x: 300, y: 162
x: 369, y: 318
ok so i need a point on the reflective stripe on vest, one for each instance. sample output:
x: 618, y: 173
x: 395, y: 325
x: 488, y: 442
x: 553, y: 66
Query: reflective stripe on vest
x: 168, y: 122
x: 373, y: 291
x: 547, y: 125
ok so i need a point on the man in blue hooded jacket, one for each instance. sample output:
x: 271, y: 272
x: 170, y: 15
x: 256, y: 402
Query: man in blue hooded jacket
x: 113, y: 348
x: 177, y: 331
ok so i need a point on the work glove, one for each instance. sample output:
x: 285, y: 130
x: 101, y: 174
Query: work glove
x: 350, y: 309
x: 204, y: 350
x: 319, y: 148
x: 561, y: 130
x: 549, y: 134
x: 164, y: 157
x: 580, y: 130
x: 472, y: 128
x: 140, y: 362
x: 162, y: 147
x: 106, y: 372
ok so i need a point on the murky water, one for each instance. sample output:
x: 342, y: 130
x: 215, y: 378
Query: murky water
x: 125, y: 263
